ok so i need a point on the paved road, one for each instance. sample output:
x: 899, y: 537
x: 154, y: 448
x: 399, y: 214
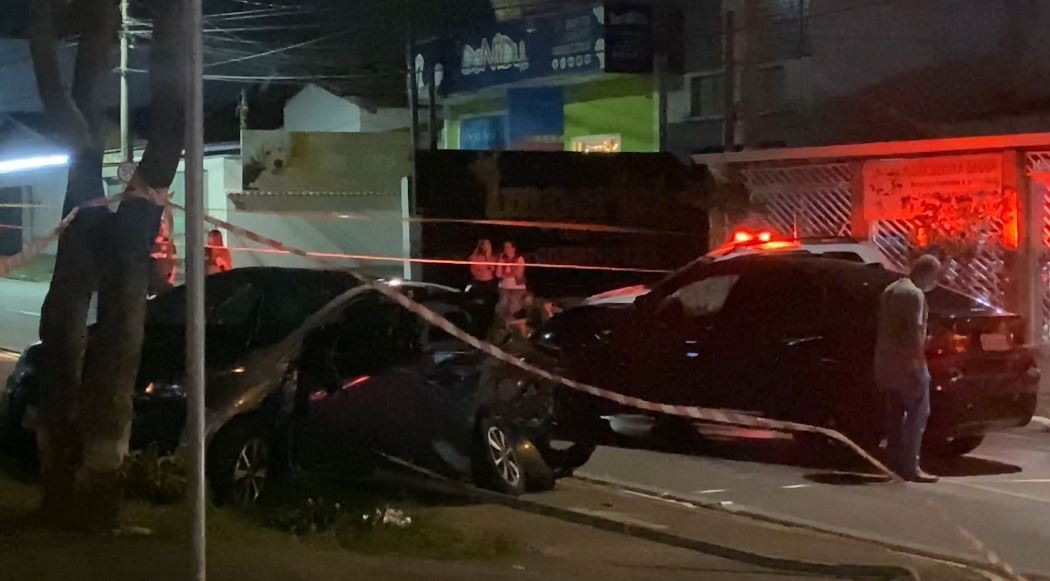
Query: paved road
x: 1000, y: 494
x: 20, y: 312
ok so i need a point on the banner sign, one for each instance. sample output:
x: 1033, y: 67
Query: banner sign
x: 536, y: 119
x: 905, y: 188
x: 280, y: 162
x: 572, y: 42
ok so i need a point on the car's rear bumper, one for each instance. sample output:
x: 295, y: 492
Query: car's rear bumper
x: 977, y: 405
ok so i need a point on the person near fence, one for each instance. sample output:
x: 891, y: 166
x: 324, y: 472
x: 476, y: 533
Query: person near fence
x: 163, y: 264
x: 218, y: 256
x: 511, y: 274
x: 483, y: 263
x: 901, y: 372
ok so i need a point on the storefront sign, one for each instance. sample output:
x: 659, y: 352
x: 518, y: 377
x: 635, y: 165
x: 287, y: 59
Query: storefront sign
x: 498, y: 54
x: 482, y: 133
x: 571, y: 42
x: 905, y: 188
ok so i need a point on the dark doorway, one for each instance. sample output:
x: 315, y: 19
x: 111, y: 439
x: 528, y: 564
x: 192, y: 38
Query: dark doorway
x: 10, y: 221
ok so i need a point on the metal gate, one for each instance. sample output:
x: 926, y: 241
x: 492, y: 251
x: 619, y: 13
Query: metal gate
x: 816, y: 200
x: 806, y: 200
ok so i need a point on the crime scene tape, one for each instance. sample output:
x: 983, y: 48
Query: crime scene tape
x: 690, y: 412
x: 35, y: 247
x: 446, y: 261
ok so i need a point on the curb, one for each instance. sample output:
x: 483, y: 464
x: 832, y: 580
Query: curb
x: 441, y: 485
x: 896, y: 546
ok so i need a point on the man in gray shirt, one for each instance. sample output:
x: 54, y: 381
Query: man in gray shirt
x: 900, y: 366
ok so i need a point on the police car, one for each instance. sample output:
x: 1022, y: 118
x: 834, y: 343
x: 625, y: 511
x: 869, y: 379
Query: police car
x: 762, y: 242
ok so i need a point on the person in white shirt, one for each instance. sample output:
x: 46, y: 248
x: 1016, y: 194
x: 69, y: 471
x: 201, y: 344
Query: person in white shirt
x: 511, y: 274
x: 900, y: 366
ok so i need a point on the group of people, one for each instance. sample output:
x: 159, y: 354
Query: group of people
x: 501, y: 279
x: 502, y: 275
x: 164, y: 258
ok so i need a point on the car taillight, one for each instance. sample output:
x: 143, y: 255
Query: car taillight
x: 946, y: 342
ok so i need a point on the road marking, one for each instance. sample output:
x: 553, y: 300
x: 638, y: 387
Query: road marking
x: 794, y: 486
x: 1020, y: 495
x: 710, y: 491
x: 26, y: 313
x: 1029, y: 481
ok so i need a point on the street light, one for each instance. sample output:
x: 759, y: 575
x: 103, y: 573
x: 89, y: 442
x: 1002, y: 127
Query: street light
x: 28, y: 163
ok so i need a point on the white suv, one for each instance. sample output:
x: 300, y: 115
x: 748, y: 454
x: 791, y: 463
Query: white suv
x: 830, y: 247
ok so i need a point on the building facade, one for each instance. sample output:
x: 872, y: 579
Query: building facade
x: 821, y: 72
x: 579, y: 79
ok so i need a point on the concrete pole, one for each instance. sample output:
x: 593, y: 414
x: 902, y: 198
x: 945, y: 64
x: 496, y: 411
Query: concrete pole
x: 126, y: 148
x: 432, y: 105
x: 194, y: 165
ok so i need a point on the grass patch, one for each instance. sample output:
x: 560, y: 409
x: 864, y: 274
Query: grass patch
x: 313, y: 513
x: 40, y: 269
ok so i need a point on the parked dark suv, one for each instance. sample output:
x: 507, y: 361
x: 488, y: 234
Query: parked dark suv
x: 793, y: 339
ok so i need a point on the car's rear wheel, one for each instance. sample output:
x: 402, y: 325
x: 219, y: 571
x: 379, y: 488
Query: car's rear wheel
x: 240, y: 466
x: 497, y: 466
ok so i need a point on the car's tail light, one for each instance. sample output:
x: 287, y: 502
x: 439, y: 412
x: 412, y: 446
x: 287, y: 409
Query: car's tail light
x: 947, y: 342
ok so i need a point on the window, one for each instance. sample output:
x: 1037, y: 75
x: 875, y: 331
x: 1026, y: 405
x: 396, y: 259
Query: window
x: 707, y: 296
x: 609, y: 143
x: 706, y: 94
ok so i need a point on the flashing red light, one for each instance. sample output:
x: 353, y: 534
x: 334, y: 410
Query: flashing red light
x: 741, y: 237
x: 765, y: 236
x: 356, y: 381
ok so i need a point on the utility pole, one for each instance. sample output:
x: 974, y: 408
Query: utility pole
x: 432, y: 115
x: 729, y: 112
x: 126, y: 148
x: 413, y: 83
x: 194, y: 164
x: 242, y: 109
x: 660, y: 62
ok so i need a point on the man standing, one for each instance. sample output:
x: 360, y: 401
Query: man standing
x: 900, y: 366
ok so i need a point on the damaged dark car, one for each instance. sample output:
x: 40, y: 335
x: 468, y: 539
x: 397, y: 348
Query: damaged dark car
x: 308, y: 369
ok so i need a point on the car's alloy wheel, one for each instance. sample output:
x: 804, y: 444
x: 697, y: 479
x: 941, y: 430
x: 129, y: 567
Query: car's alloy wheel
x: 504, y: 459
x: 250, y: 472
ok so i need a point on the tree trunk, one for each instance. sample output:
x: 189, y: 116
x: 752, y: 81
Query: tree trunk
x: 114, y: 349
x: 88, y: 380
x: 63, y: 323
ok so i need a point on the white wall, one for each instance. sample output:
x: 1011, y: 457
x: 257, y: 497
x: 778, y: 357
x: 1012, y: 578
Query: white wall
x: 379, y: 236
x: 45, y: 188
x: 315, y: 109
x: 384, y: 120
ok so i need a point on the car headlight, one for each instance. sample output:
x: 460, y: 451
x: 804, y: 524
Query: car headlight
x: 164, y: 390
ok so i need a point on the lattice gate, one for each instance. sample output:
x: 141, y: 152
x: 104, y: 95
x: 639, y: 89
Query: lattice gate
x: 816, y: 200
x: 807, y: 200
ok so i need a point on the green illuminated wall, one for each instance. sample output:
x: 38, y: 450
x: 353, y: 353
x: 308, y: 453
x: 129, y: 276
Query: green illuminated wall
x: 621, y: 104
